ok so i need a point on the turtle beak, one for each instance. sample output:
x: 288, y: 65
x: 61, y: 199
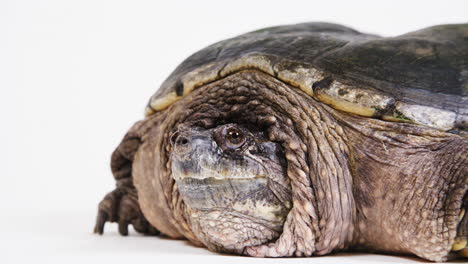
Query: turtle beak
x: 190, y: 149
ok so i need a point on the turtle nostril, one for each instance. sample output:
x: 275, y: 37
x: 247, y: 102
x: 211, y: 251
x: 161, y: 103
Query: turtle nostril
x: 181, y: 140
x: 182, y: 145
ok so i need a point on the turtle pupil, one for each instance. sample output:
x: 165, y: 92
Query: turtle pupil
x: 235, y: 137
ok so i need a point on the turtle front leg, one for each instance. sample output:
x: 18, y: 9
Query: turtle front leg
x: 121, y: 206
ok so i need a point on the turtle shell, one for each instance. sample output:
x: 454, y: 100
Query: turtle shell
x: 419, y: 77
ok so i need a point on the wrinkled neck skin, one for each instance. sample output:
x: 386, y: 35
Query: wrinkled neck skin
x: 354, y: 182
x: 409, y: 183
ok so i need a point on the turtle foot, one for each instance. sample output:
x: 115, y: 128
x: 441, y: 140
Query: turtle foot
x: 121, y: 206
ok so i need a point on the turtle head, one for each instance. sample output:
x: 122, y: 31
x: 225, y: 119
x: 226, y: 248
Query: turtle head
x: 233, y: 182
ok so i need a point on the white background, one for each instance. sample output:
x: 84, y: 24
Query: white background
x: 75, y: 75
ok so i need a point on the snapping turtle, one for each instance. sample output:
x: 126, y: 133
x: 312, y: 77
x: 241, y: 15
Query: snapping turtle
x: 303, y: 140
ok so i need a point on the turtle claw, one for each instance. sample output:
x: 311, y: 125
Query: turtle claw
x: 101, y: 220
x: 123, y: 228
x: 121, y: 207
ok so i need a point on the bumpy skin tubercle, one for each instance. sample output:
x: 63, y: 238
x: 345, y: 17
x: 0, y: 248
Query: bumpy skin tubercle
x: 263, y: 149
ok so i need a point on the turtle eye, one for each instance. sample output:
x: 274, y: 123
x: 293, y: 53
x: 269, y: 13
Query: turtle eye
x: 235, y: 138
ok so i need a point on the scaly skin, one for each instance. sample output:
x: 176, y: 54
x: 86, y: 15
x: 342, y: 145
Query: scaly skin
x: 357, y: 183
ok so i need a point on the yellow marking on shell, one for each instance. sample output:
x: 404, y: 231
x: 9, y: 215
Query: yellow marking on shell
x: 353, y: 100
x: 200, y: 76
x: 165, y: 101
x: 459, y: 244
x: 394, y: 118
x: 343, y: 97
x: 149, y: 111
x: 464, y: 253
x: 250, y: 60
x: 345, y: 105
x: 300, y: 77
x: 426, y: 115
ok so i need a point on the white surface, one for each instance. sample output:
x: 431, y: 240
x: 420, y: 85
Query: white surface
x: 66, y: 238
x: 74, y: 75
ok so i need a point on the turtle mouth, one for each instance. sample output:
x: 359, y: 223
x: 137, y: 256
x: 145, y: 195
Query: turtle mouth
x: 249, y: 197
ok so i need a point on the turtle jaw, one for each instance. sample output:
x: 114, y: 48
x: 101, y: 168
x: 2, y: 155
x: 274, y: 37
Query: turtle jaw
x: 232, y: 200
x: 250, y: 198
